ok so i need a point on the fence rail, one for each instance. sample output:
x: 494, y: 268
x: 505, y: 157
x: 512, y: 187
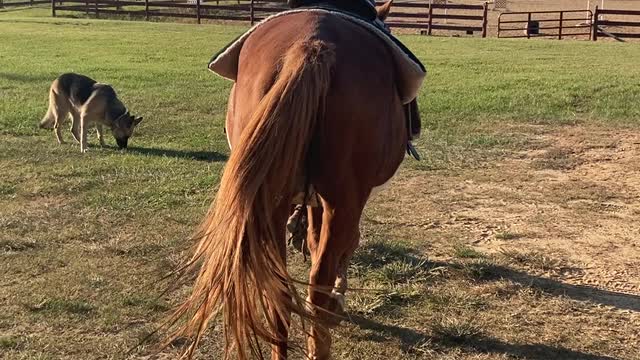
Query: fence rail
x: 562, y: 23
x: 455, y: 17
x: 421, y: 15
x: 599, y: 24
x: 237, y: 10
x: 22, y: 3
x: 408, y: 15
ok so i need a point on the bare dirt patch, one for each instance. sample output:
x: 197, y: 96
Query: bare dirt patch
x: 547, y: 236
x: 575, y: 193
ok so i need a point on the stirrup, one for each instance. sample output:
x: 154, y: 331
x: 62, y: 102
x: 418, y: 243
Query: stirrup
x: 411, y: 150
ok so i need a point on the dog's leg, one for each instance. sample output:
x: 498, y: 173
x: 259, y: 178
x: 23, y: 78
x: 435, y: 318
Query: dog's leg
x: 92, y: 112
x: 100, y: 135
x: 59, y: 134
x: 60, y: 115
x: 75, y: 125
x: 57, y: 112
x: 84, y: 124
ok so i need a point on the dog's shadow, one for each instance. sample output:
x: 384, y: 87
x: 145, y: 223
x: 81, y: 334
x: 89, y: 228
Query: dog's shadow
x: 210, y: 156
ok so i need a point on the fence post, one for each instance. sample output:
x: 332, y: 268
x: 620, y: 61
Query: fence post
x: 97, y: 14
x: 529, y: 26
x: 30, y: 2
x: 146, y: 10
x: 1, y: 4
x: 484, y: 19
x: 198, y: 10
x: 86, y: 7
x: 594, y: 22
x: 430, y: 14
x: 560, y: 29
x: 251, y: 13
x: 445, y: 11
x: 53, y: 8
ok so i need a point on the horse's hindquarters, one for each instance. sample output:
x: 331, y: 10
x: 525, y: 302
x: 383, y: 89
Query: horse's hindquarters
x: 363, y: 134
x: 356, y: 140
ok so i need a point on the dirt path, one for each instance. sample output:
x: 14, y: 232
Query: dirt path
x: 565, y: 209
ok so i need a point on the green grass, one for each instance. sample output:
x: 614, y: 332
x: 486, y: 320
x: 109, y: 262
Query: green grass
x: 8, y: 342
x: 508, y: 235
x: 78, y: 307
x: 466, y: 252
x: 85, y: 239
x: 533, y: 81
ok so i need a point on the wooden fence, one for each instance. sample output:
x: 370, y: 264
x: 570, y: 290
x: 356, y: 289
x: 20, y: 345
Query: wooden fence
x: 422, y: 15
x: 428, y: 16
x: 237, y: 10
x: 625, y: 28
x: 4, y: 4
x: 556, y: 24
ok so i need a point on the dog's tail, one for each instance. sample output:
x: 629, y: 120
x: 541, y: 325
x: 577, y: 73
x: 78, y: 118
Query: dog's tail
x: 49, y: 120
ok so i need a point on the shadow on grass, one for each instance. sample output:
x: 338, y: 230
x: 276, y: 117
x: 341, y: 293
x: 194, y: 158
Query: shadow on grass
x: 26, y: 78
x: 410, y: 339
x: 553, y: 287
x: 376, y: 254
x: 579, y: 292
x: 210, y: 156
x: 528, y: 351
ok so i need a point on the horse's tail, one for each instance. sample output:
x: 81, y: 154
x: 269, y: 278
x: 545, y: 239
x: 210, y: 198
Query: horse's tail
x: 243, y: 275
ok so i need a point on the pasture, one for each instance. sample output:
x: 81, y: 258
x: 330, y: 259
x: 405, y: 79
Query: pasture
x: 515, y: 237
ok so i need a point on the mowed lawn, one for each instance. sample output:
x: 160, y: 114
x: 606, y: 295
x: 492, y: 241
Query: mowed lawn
x: 86, y: 238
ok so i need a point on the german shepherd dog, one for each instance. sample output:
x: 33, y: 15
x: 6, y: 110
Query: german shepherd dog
x: 90, y: 104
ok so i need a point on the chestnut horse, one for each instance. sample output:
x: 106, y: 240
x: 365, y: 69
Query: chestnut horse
x: 315, y: 103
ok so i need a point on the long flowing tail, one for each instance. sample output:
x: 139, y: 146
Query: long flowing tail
x: 242, y: 274
x: 48, y: 121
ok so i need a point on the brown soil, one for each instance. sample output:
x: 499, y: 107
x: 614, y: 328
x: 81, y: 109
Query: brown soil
x: 573, y: 196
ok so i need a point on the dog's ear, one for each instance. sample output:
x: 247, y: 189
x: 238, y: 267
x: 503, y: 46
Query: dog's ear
x: 137, y: 121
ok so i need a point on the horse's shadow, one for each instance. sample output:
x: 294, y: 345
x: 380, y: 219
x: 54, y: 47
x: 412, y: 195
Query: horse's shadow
x: 374, y: 255
x: 410, y: 338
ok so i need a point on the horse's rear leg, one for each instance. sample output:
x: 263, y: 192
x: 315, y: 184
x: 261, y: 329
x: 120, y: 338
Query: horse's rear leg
x: 338, y: 237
